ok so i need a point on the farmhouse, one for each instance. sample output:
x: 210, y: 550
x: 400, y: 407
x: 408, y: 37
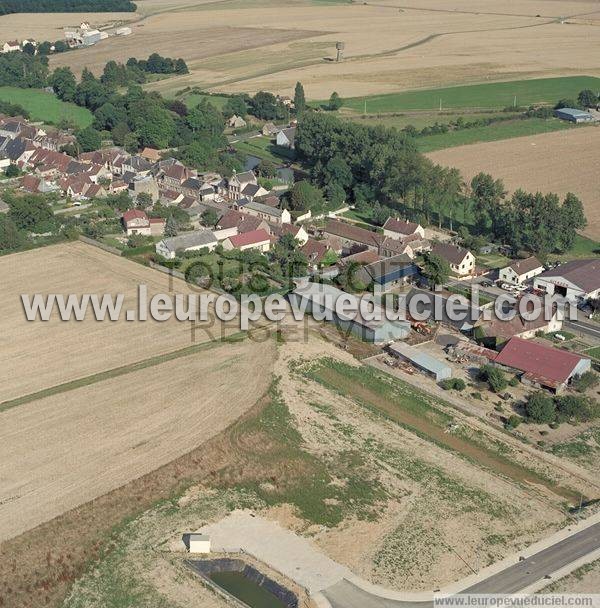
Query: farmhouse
x: 136, y: 221
x: 320, y: 298
x: 269, y: 129
x: 287, y: 138
x: 520, y: 271
x: 191, y: 241
x: 315, y: 252
x: 238, y: 182
x: 542, y: 365
x: 269, y: 214
x: 352, y: 235
x: 236, y: 122
x: 400, y: 229
x: 573, y: 115
x: 577, y: 279
x: 387, y: 274
x: 256, y: 239
x: 236, y: 222
x: 298, y: 232
x: 462, y: 261
x: 11, y: 46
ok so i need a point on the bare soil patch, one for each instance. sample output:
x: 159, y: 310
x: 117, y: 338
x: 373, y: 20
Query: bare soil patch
x: 561, y: 162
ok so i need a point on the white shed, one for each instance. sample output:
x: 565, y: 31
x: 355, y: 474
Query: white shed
x: 199, y: 543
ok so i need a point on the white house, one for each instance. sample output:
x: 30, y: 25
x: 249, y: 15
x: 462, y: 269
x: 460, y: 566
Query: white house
x: 238, y: 182
x: 198, y: 543
x: 521, y: 271
x: 461, y: 261
x: 400, y: 229
x: 298, y: 232
x: 577, y: 279
x: 287, y: 138
x: 255, y: 239
x: 273, y: 215
x: 191, y: 241
x: 11, y: 46
x: 136, y: 221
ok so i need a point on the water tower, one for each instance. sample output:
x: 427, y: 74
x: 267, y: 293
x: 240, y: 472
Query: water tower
x: 340, y: 46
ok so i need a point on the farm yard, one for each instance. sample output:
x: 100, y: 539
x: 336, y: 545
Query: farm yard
x: 388, y: 503
x: 250, y: 46
x: 558, y: 162
x: 45, y: 107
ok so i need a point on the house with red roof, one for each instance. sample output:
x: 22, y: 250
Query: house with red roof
x: 540, y: 365
x: 136, y: 221
x: 255, y: 239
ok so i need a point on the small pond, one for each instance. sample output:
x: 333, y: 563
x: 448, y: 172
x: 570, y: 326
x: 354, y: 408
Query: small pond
x: 251, y: 593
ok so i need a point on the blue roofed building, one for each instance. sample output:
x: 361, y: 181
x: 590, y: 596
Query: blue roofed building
x: 573, y: 115
x: 422, y: 361
x: 389, y: 273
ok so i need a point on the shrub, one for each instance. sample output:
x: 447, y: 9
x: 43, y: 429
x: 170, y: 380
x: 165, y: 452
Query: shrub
x: 458, y: 384
x: 585, y: 381
x: 540, y: 409
x: 494, y: 377
x: 513, y: 422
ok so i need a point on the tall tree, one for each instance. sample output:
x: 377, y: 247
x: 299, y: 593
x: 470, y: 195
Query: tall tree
x: 299, y: 98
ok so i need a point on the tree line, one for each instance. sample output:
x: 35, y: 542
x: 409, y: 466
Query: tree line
x: 66, y: 6
x: 363, y: 164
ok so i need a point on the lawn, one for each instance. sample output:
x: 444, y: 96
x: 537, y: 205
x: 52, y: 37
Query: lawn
x: 594, y: 353
x: 492, y: 260
x: 583, y: 248
x: 489, y: 95
x: 494, y: 132
x: 263, y: 147
x: 46, y: 107
x: 192, y: 100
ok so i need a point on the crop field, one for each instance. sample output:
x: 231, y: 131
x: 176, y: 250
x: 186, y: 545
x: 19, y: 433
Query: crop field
x: 251, y: 45
x: 85, y: 347
x: 46, y: 107
x: 493, y: 132
x: 561, y: 162
x: 496, y: 95
x: 124, y: 398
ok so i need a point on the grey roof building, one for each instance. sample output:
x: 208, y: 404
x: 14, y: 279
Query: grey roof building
x: 199, y: 239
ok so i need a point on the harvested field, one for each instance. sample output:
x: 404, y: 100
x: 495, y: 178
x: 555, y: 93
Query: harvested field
x: 71, y: 350
x: 561, y: 162
x: 62, y: 451
x: 249, y: 45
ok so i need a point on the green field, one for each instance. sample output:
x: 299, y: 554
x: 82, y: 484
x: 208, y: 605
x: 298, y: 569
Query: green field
x: 263, y: 147
x: 492, y: 95
x: 493, y: 132
x: 46, y: 107
x: 192, y: 100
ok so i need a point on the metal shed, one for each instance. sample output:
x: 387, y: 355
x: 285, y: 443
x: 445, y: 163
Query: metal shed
x: 422, y: 361
x: 573, y: 115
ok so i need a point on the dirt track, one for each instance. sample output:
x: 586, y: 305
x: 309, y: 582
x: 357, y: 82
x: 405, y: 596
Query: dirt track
x: 561, y: 162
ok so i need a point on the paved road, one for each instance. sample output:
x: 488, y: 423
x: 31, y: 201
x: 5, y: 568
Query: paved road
x: 585, y: 327
x: 511, y: 580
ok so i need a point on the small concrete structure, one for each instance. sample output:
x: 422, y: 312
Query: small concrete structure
x: 422, y: 361
x: 198, y: 543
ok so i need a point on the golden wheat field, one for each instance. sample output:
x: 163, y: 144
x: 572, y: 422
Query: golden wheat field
x: 561, y: 162
x: 391, y: 45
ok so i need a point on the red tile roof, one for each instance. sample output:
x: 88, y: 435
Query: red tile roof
x: 249, y: 238
x: 538, y: 360
x: 353, y: 233
x: 134, y: 214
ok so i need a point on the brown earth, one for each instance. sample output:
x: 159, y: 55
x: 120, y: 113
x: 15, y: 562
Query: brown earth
x: 561, y: 162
